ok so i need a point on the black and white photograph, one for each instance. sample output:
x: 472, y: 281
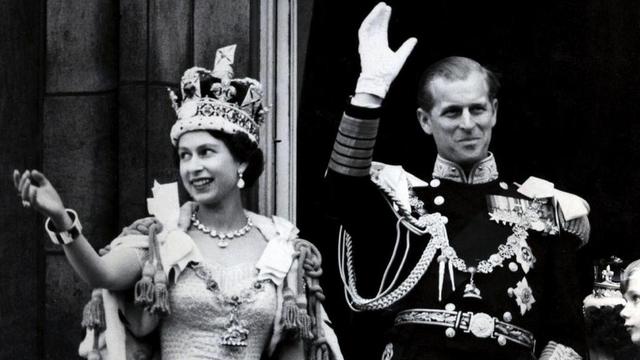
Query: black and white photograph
x: 319, y: 180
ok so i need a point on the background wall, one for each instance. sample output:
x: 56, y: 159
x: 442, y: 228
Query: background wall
x: 21, y: 250
x: 84, y: 98
x: 568, y: 108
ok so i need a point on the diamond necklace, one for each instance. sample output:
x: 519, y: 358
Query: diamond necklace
x: 223, y: 238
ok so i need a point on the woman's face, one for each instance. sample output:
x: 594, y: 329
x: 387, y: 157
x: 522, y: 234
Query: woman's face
x: 208, y: 171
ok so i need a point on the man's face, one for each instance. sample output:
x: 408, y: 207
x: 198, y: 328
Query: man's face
x: 461, y: 118
x: 631, y: 311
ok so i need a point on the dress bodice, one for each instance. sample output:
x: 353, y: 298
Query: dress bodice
x: 209, y: 302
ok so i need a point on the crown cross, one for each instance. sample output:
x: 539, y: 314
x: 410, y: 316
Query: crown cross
x: 607, y: 274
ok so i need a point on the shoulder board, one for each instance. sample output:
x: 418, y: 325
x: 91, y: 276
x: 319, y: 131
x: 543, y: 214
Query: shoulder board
x: 572, y: 206
x: 394, y: 181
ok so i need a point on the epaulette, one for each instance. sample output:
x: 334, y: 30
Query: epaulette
x: 571, y: 205
x: 397, y: 184
x: 572, y: 210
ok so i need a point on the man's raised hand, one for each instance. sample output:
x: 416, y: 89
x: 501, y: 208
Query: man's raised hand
x: 380, y: 65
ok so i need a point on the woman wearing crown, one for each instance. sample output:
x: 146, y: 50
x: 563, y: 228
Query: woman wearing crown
x: 215, y: 280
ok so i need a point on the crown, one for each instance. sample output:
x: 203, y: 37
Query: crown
x: 606, y: 283
x: 214, y: 100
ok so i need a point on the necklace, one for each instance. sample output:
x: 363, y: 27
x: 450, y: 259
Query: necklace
x: 223, y: 238
x: 515, y: 245
x: 236, y: 332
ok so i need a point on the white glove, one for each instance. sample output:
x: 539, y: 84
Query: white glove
x: 380, y: 65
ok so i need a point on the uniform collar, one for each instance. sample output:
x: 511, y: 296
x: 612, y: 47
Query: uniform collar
x: 482, y: 172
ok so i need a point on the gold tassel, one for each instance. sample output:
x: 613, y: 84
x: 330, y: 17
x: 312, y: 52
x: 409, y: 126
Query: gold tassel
x: 289, y: 310
x: 305, y: 324
x: 161, y: 303
x: 144, y: 290
x: 95, y: 353
x: 325, y: 352
x: 144, y: 287
x: 321, y: 352
x: 93, y: 312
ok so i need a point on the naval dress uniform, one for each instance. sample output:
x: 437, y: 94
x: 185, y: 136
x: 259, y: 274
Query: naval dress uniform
x: 471, y: 267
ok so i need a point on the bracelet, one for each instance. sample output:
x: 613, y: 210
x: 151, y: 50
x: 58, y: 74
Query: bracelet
x: 64, y: 237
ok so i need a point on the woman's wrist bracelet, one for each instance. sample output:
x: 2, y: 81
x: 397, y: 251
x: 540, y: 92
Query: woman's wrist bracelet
x: 67, y: 236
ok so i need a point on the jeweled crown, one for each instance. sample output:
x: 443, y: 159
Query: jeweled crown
x: 214, y: 100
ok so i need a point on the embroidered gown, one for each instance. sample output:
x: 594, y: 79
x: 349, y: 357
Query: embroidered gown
x: 200, y: 316
x: 242, y: 304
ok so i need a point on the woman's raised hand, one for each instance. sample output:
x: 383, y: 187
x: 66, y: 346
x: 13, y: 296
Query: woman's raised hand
x: 37, y: 192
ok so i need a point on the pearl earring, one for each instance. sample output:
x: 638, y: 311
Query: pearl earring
x: 240, y: 180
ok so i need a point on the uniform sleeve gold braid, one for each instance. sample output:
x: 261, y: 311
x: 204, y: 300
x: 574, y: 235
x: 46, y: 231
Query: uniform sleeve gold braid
x: 362, y: 164
x: 340, y: 169
x: 356, y: 143
x: 359, y: 128
x: 355, y: 153
x: 353, y: 148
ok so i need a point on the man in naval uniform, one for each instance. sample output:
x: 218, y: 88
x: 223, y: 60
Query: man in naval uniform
x: 462, y: 265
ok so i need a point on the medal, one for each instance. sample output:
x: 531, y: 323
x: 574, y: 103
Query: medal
x: 524, y: 296
x: 470, y: 289
x: 236, y: 332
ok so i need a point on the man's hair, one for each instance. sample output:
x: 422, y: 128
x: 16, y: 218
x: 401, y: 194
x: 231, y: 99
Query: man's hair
x: 627, y: 274
x: 453, y: 68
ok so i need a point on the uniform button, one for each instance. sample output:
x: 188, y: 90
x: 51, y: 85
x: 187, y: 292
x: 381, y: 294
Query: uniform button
x: 504, y: 186
x: 445, y: 219
x: 438, y: 200
x: 434, y: 183
x: 450, y: 307
x: 507, y: 316
x: 510, y: 292
x: 450, y: 332
x: 513, y: 266
x: 502, y: 340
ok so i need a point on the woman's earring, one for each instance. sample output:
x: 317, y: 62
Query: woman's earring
x: 240, y: 180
